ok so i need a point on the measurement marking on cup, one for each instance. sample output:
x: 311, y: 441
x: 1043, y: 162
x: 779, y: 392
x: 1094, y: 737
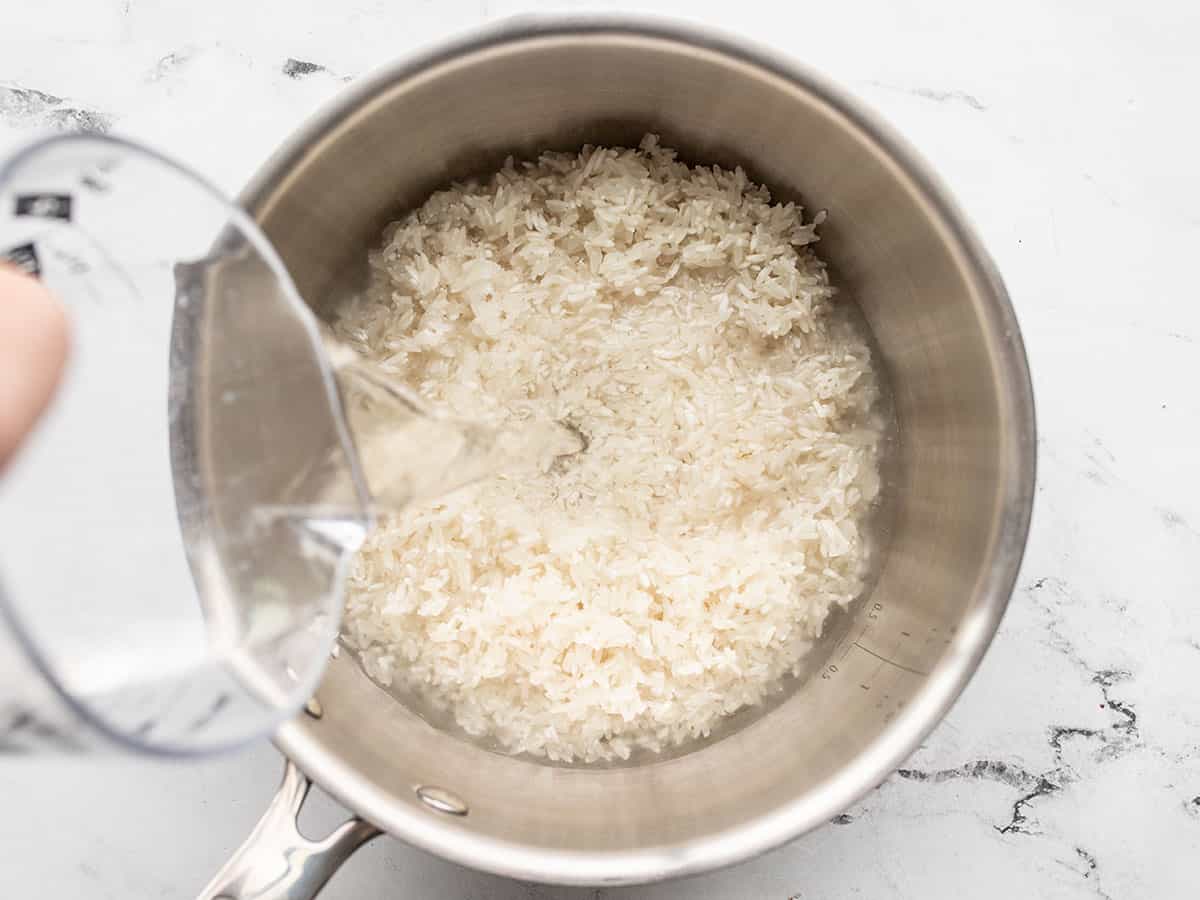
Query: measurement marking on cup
x: 891, y: 662
x: 872, y: 615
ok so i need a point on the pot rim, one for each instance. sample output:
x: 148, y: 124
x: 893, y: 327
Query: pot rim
x: 449, y: 839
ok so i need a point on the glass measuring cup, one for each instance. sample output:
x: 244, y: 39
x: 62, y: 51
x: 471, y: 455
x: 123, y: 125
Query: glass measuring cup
x: 173, y: 535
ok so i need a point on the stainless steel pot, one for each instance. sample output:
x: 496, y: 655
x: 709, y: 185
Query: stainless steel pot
x: 960, y: 493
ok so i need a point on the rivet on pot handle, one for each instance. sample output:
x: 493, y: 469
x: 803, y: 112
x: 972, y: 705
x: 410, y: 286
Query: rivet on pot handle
x: 277, y: 862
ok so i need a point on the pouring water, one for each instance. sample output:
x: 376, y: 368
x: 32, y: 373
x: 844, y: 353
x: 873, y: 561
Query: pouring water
x: 410, y: 453
x: 216, y: 459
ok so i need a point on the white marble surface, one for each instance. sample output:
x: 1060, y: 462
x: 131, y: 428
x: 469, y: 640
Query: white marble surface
x: 1071, y: 766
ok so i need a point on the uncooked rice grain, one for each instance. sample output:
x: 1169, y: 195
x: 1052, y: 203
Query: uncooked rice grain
x: 681, y: 566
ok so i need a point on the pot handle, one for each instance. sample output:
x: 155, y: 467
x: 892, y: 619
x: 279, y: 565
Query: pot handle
x: 277, y: 862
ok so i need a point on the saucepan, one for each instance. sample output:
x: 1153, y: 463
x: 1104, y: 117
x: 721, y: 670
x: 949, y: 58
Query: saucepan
x: 958, y: 495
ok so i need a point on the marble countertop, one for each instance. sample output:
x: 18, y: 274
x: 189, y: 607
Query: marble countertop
x: 1071, y: 766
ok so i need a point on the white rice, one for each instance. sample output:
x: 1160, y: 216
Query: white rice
x: 676, y: 570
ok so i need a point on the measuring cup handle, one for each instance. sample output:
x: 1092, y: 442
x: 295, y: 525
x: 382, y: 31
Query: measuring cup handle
x: 277, y: 862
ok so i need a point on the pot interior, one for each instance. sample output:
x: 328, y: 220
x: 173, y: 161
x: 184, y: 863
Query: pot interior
x: 958, y: 492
